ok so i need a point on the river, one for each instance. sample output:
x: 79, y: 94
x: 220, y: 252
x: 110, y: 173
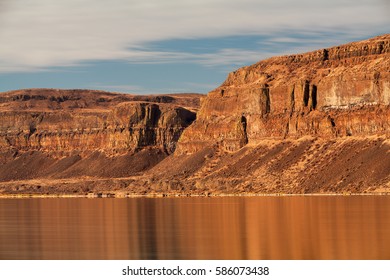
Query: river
x: 279, y: 227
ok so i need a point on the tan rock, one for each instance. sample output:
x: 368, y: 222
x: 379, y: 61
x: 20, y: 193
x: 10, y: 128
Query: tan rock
x: 340, y: 91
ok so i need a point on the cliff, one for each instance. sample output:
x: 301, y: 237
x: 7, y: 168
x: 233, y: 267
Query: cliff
x: 317, y: 122
x: 340, y: 91
x: 68, y: 133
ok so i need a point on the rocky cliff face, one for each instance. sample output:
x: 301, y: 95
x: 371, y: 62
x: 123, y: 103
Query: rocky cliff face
x: 335, y: 92
x: 53, y: 126
x: 317, y: 122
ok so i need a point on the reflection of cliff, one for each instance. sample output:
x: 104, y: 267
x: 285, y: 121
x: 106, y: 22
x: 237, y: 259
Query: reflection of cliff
x: 196, y: 228
x: 314, y: 122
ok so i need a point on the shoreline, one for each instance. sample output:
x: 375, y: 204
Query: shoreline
x: 173, y: 195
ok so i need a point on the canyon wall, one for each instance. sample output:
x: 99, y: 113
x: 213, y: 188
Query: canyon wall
x: 52, y: 126
x: 335, y: 92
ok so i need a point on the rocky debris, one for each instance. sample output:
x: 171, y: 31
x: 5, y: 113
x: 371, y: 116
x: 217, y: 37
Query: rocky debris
x: 308, y: 165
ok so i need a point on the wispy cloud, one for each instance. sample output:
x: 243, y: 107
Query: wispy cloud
x: 219, y: 58
x: 38, y: 34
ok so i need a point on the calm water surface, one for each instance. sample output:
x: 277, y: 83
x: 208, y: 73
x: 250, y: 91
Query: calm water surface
x: 356, y: 227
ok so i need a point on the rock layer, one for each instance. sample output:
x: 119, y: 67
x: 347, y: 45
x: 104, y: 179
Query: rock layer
x: 70, y: 131
x: 340, y: 91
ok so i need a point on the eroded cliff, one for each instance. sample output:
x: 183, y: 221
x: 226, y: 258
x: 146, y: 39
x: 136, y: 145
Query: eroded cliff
x: 70, y: 133
x: 317, y: 122
x: 340, y: 91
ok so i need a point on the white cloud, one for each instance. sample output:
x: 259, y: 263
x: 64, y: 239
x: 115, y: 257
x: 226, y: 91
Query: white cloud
x: 37, y: 34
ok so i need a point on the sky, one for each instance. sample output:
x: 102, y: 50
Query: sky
x: 167, y: 46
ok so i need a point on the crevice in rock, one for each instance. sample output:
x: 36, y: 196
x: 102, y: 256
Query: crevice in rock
x: 244, y: 125
x: 265, y: 101
x: 287, y: 129
x: 306, y: 93
x: 292, y: 101
x: 333, y: 125
x: 313, y: 97
x: 325, y: 55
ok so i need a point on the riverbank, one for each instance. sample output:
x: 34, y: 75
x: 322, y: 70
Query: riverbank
x: 117, y: 189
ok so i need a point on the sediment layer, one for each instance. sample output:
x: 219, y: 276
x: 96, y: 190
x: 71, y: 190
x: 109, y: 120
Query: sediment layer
x: 335, y: 92
x: 73, y: 133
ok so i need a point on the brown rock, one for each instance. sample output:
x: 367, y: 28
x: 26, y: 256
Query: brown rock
x: 340, y: 91
x: 70, y: 131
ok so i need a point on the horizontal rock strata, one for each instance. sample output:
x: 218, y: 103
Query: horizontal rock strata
x: 335, y: 92
x: 66, y: 133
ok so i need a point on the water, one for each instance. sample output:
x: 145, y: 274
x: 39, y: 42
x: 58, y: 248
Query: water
x: 301, y: 227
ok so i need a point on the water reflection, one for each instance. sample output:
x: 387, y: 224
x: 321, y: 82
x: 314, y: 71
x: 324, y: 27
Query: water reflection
x: 196, y: 228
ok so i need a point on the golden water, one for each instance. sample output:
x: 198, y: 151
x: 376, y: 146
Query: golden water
x: 300, y: 227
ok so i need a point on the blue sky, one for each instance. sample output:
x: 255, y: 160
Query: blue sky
x: 163, y: 46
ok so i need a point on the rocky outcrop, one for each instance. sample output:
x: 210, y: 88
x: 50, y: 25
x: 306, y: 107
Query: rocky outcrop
x: 55, y: 126
x: 311, y: 123
x: 335, y: 92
